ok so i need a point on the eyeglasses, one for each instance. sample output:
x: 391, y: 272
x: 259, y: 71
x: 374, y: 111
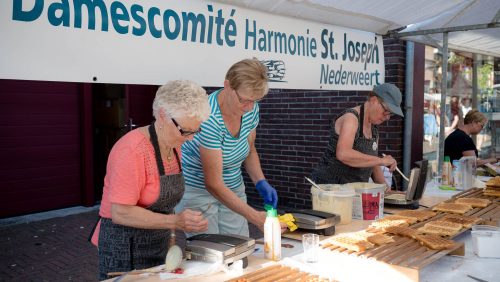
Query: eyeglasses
x: 482, y: 124
x: 183, y: 131
x: 246, y: 101
x: 387, y: 112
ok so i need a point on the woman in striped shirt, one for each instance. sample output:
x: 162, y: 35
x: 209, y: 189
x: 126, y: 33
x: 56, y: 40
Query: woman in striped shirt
x: 212, y: 160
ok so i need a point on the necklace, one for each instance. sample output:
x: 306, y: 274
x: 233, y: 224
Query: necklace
x: 169, y: 150
x: 161, y: 144
x: 169, y: 154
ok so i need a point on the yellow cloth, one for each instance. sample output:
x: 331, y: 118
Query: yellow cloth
x: 288, y: 219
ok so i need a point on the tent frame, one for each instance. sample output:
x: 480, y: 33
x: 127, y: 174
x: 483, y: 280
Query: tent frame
x: 495, y: 23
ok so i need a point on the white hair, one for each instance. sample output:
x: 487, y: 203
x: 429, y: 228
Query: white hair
x: 182, y: 98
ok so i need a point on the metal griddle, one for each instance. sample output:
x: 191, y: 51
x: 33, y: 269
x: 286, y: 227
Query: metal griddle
x: 415, y: 190
x: 315, y: 221
x: 225, y: 249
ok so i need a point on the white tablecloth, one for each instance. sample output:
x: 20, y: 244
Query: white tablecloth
x: 344, y: 267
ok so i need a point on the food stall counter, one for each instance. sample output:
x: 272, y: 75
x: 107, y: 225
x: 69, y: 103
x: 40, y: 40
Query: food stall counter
x: 345, y: 267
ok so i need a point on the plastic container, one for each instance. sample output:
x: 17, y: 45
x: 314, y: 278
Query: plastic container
x: 468, y: 171
x: 457, y: 175
x: 335, y: 199
x: 486, y: 241
x: 368, y: 202
x: 272, y: 235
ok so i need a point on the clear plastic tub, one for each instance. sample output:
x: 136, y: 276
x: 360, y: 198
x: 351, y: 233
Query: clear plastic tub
x: 368, y: 203
x: 486, y: 241
x: 334, y: 198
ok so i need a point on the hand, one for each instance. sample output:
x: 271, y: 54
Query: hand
x: 191, y: 221
x: 284, y: 227
x: 389, y: 161
x: 267, y: 192
x: 259, y: 218
x: 389, y: 191
x: 492, y: 160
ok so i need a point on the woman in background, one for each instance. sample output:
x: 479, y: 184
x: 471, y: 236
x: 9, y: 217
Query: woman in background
x: 455, y: 115
x: 459, y: 143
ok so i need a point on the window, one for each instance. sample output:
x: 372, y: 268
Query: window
x: 460, y: 98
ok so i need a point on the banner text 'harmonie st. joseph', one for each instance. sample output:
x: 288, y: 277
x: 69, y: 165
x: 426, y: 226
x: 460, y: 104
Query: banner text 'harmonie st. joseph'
x: 153, y: 41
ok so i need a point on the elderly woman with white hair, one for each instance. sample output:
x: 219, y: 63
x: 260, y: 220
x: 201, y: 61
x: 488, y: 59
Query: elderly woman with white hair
x: 144, y: 183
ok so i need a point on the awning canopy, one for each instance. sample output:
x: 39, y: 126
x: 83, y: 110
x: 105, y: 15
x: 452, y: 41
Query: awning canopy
x: 464, y: 25
x: 467, y: 15
x: 381, y: 16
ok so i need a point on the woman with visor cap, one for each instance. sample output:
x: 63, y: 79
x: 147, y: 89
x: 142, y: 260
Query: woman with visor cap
x: 352, y: 151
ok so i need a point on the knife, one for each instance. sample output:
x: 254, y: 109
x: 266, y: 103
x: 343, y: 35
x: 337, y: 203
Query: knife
x: 284, y: 245
x: 475, y: 278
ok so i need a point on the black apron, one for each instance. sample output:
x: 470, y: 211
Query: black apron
x: 124, y: 248
x: 332, y: 171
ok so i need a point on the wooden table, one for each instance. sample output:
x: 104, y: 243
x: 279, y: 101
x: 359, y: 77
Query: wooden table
x: 446, y: 269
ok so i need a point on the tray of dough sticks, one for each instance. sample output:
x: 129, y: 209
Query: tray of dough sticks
x: 412, y: 239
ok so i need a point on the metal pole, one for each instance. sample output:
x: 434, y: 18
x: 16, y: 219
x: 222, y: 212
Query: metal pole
x: 475, y: 88
x: 474, y: 100
x: 410, y: 50
x: 494, y: 24
x: 444, y: 87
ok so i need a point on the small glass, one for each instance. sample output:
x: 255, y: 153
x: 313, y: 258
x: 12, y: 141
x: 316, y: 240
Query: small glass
x: 310, y: 243
x: 436, y: 178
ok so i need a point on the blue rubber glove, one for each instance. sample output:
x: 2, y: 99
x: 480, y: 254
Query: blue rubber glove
x: 267, y: 192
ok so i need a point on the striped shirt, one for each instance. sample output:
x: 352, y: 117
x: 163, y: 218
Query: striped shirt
x: 214, y: 135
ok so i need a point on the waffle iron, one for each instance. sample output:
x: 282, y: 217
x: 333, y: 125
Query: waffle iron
x: 224, y: 249
x: 415, y: 190
x: 315, y: 221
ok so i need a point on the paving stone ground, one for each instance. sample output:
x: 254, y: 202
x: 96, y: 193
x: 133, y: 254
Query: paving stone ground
x: 54, y: 249
x: 49, y: 250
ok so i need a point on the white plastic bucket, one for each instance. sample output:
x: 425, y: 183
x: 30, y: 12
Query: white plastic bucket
x: 335, y: 199
x: 368, y: 203
x: 486, y: 241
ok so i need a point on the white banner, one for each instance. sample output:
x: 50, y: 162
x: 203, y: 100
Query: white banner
x: 153, y: 41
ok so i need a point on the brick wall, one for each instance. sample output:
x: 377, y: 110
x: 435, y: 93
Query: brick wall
x: 294, y: 130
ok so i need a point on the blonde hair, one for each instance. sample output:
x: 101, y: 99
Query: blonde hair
x: 249, y: 74
x: 182, y: 98
x: 474, y: 116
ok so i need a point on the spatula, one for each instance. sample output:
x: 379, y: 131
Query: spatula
x: 399, y: 171
x: 314, y: 184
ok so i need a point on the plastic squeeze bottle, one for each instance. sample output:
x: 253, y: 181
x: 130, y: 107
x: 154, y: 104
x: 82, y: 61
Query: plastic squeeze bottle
x: 447, y: 170
x: 272, y: 235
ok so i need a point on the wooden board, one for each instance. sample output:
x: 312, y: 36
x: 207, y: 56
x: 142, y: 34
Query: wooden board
x: 278, y: 273
x: 408, y: 255
x: 403, y: 252
x: 490, y: 214
x: 405, y: 255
